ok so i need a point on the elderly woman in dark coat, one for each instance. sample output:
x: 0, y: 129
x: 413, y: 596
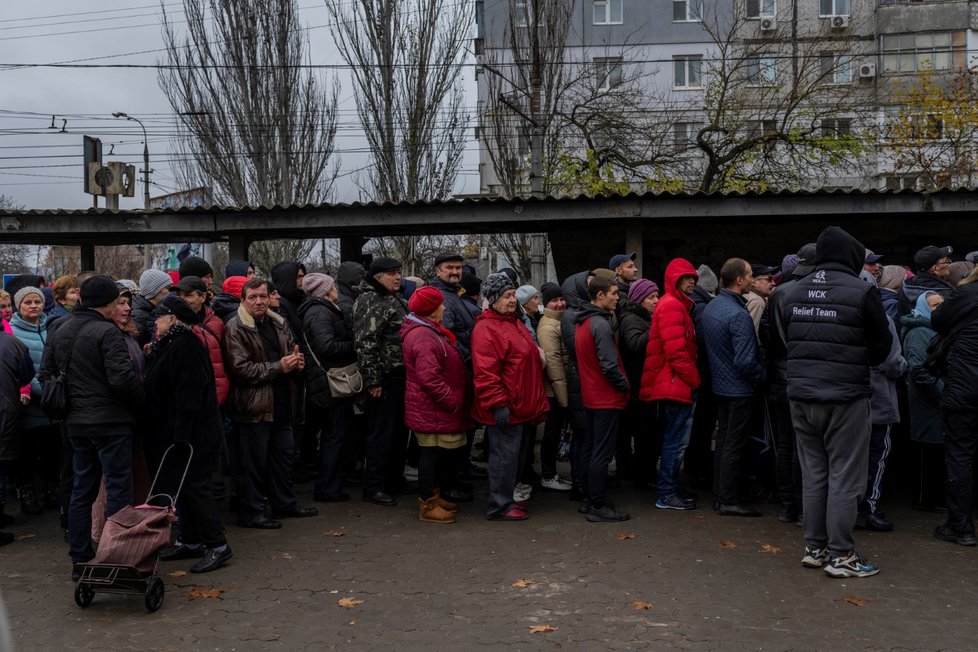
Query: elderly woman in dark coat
x: 436, y: 401
x: 181, y: 406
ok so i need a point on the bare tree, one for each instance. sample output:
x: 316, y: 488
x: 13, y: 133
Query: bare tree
x: 418, y: 252
x: 258, y: 126
x: 13, y: 257
x: 406, y: 62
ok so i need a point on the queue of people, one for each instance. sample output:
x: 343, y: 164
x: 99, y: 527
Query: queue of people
x: 762, y: 383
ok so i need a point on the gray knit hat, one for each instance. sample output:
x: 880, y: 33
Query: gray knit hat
x: 524, y: 293
x: 22, y: 294
x: 707, y: 279
x: 153, y: 281
x: 495, y: 285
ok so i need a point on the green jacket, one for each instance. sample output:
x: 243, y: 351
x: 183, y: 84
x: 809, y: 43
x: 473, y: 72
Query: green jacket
x: 377, y: 318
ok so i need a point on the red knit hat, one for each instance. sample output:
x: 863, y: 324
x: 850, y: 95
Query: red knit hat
x: 425, y: 300
x: 233, y: 284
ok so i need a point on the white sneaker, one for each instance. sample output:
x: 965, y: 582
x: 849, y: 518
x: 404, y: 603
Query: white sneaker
x: 410, y: 473
x: 556, y: 483
x: 522, y: 492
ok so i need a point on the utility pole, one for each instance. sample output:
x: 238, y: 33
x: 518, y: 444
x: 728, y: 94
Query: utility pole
x: 538, y: 241
x: 147, y: 249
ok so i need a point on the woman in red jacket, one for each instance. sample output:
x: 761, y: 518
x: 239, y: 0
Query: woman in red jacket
x: 509, y: 391
x: 436, y: 399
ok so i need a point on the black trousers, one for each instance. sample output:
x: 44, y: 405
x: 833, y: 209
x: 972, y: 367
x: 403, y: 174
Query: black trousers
x: 735, y: 416
x: 698, y: 462
x: 200, y: 521
x: 333, y: 425
x: 265, y: 455
x: 599, y: 448
x: 386, y: 439
x: 437, y: 469
x: 788, y: 470
x: 550, y: 445
x: 641, y: 422
x: 960, y: 444
x: 39, y: 458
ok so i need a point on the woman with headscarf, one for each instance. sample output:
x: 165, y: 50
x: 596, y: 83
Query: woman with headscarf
x: 436, y: 401
x: 924, y: 396
x: 40, y: 444
x: 509, y: 391
x: 181, y: 407
x: 329, y: 345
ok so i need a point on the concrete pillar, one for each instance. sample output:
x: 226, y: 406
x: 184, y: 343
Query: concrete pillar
x: 87, y: 256
x: 351, y: 248
x: 238, y: 245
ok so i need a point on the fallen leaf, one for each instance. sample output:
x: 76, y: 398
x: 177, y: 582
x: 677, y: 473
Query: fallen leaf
x: 199, y: 592
x: 25, y: 537
x: 519, y: 584
x: 851, y: 599
x: 335, y: 533
x: 176, y: 574
x: 622, y: 537
x: 596, y: 562
x: 771, y: 549
x: 542, y: 629
x: 638, y: 604
x: 729, y: 545
x: 353, y: 622
x: 349, y: 602
x: 334, y: 592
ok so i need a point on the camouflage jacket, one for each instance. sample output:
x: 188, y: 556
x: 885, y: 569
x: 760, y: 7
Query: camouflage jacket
x: 377, y: 318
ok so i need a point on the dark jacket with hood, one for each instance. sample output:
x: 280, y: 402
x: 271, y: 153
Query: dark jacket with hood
x: 604, y: 385
x: 142, y: 318
x: 284, y: 277
x: 924, y: 389
x: 834, y: 325
x: 575, y: 294
x: 961, y: 378
x: 102, y: 387
x: 377, y: 318
x: 349, y: 276
x: 457, y: 318
x: 236, y: 268
x: 226, y: 306
x: 24, y: 281
x: 914, y: 286
x: 634, y: 322
x: 16, y: 370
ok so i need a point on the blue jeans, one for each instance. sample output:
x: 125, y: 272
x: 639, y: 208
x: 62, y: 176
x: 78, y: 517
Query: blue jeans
x: 678, y: 424
x: 94, y: 457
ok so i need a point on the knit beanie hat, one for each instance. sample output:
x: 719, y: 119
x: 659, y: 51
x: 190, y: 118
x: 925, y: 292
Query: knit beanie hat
x: 131, y: 286
x: 708, y: 280
x: 524, y: 293
x: 511, y: 273
x: 549, y: 292
x: 892, y: 277
x: 317, y: 284
x: 152, y: 282
x: 425, y: 300
x: 100, y: 290
x: 22, y: 293
x: 234, y: 284
x: 471, y: 284
x: 194, y: 266
x: 640, y: 289
x: 495, y: 285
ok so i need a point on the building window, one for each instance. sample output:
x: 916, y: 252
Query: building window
x: 761, y: 8
x: 836, y: 68
x: 829, y: 8
x: 927, y: 51
x: 758, y: 128
x: 688, y: 71
x: 836, y: 127
x: 607, y: 72
x: 607, y: 12
x: 760, y: 70
x: 522, y: 10
x: 687, y: 11
x: 685, y: 133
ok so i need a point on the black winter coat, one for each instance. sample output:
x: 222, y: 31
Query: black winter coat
x: 102, y: 387
x: 835, y: 325
x: 349, y: 275
x: 225, y: 306
x: 16, y: 370
x: 575, y: 293
x: 181, y: 400
x: 634, y: 323
x: 142, y: 318
x: 961, y: 379
x: 328, y: 336
x: 914, y: 286
x: 701, y: 298
x: 284, y: 277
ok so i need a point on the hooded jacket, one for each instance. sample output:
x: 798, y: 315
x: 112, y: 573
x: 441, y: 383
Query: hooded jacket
x: 226, y: 306
x: 236, y: 268
x: 924, y: 389
x: 438, y: 392
x: 914, y: 286
x: 961, y: 379
x: 284, y: 276
x: 670, y: 371
x: 834, y: 325
x: 548, y: 336
x: 575, y: 294
x: 142, y: 318
x: 731, y: 343
x: 457, y: 317
x: 377, y: 318
x: 507, y: 370
x: 349, y: 276
x: 604, y: 385
x: 634, y: 322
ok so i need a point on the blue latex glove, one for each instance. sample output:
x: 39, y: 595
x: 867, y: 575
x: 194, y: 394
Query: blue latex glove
x: 502, y: 417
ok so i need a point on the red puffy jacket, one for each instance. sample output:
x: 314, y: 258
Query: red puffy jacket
x: 670, y: 358
x: 211, y: 335
x: 508, y: 370
x: 438, y: 394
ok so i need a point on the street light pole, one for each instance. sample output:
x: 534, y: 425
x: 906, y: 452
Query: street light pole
x: 147, y: 252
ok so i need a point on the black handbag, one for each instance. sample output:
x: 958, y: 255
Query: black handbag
x: 54, y: 391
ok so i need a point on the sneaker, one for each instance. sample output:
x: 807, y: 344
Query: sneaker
x: 522, y: 492
x: 852, y: 565
x: 675, y: 502
x: 606, y: 514
x: 815, y: 557
x: 411, y: 472
x: 945, y: 533
x: 556, y: 483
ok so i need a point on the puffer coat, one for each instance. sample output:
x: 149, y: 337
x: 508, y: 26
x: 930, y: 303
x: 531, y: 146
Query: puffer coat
x: 438, y: 393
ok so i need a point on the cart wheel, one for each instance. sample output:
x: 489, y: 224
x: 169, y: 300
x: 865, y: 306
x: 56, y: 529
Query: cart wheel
x: 154, y: 594
x: 84, y: 594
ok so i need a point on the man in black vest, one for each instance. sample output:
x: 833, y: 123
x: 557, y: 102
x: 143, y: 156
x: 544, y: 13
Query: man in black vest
x: 835, y: 329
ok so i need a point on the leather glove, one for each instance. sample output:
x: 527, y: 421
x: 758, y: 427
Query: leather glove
x: 502, y: 417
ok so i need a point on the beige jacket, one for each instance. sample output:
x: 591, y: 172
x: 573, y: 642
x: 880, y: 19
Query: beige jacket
x: 548, y: 335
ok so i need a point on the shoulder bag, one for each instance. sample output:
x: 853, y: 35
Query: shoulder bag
x: 54, y: 391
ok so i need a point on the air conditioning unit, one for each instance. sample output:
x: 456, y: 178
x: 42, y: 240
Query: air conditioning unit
x: 867, y: 70
x: 840, y: 22
x: 115, y: 178
x: 768, y: 24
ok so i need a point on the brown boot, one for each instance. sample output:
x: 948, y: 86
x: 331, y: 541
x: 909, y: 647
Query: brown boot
x: 444, y: 504
x: 432, y: 513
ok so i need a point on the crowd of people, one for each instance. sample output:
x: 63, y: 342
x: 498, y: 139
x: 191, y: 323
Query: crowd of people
x: 759, y: 383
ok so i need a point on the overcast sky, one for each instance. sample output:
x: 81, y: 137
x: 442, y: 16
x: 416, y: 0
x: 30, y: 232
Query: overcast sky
x: 41, y: 167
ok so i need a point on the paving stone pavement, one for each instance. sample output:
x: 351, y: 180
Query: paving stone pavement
x: 450, y: 587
